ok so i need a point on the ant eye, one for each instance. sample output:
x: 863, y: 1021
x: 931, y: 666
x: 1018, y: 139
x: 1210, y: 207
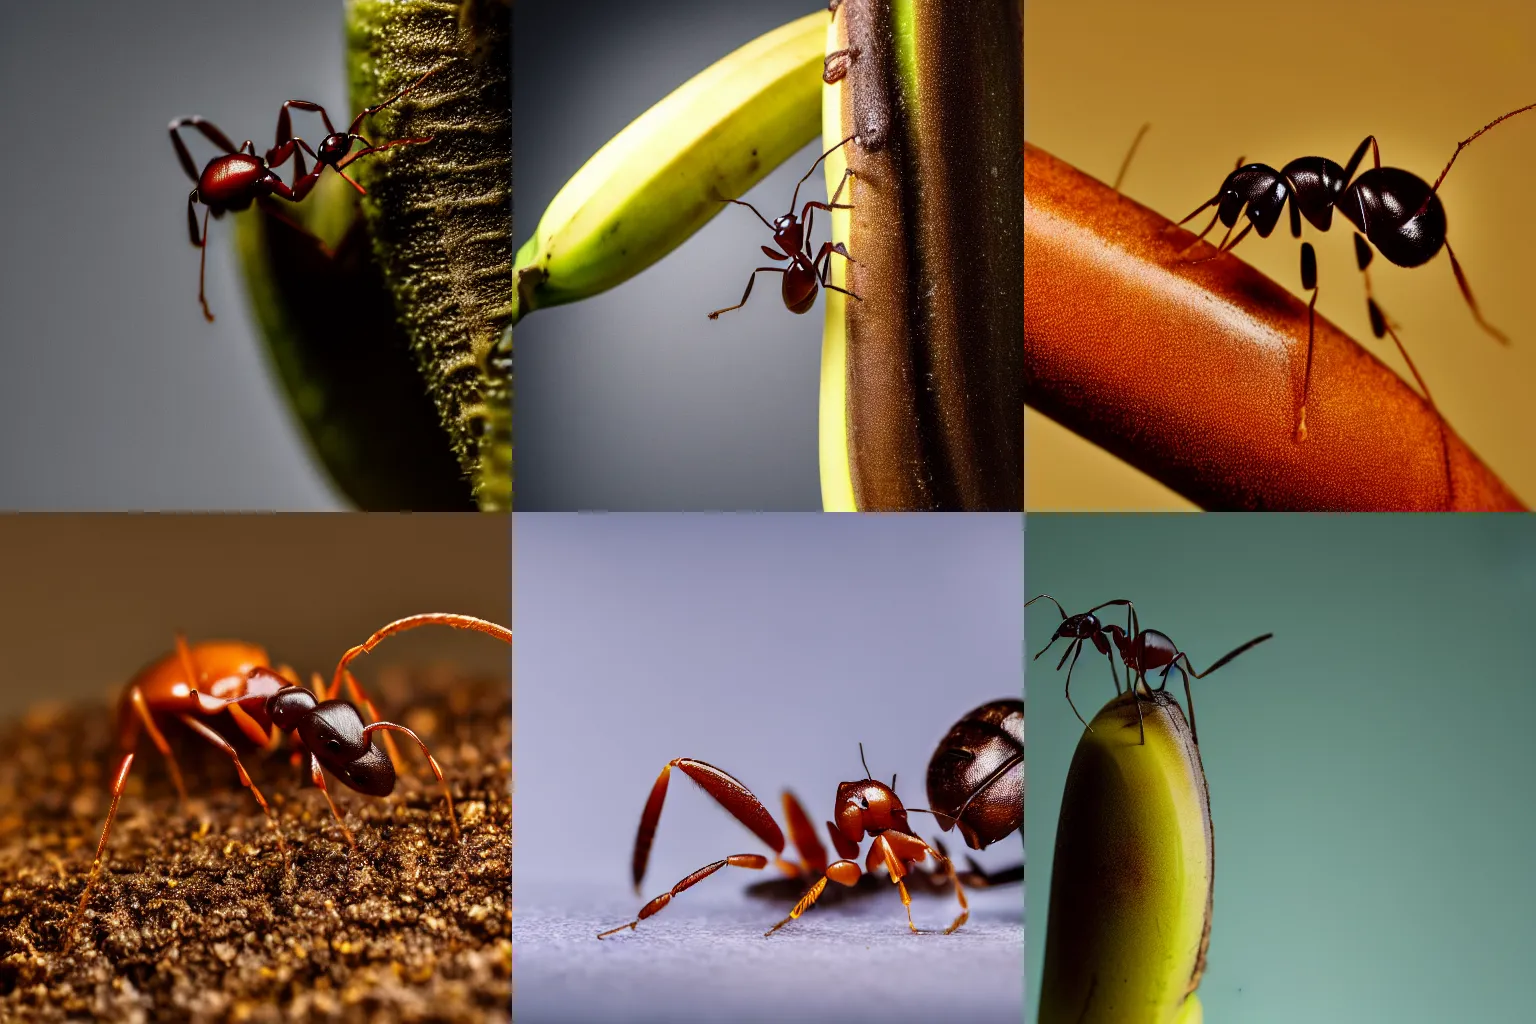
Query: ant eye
x: 333, y: 743
x: 863, y: 804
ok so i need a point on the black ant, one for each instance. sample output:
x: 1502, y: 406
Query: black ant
x: 804, y: 273
x: 1142, y: 651
x: 976, y: 775
x: 231, y: 687
x: 238, y: 177
x: 1395, y: 211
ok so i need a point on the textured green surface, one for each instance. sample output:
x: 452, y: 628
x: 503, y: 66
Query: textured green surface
x: 441, y: 213
x: 1369, y: 767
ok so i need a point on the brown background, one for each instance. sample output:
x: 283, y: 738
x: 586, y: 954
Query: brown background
x: 85, y: 601
x: 1218, y: 80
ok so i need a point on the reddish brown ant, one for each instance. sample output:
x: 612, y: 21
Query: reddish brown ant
x: 238, y: 177
x: 804, y: 273
x: 1141, y: 650
x: 976, y: 775
x: 200, y: 684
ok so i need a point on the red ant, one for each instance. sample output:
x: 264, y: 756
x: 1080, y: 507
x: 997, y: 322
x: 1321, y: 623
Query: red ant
x: 1142, y: 651
x: 977, y: 774
x: 209, y: 679
x: 239, y: 177
x: 803, y: 274
x: 1396, y: 211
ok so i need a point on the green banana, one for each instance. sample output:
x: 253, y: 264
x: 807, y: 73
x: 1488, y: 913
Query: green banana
x: 1131, y: 882
x: 663, y: 177
x: 922, y: 374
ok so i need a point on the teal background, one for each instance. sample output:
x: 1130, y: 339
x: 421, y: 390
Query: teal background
x: 1370, y: 767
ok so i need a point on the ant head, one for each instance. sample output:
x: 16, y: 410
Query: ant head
x: 333, y: 148
x: 333, y: 732
x: 288, y: 706
x: 868, y: 806
x: 1262, y: 189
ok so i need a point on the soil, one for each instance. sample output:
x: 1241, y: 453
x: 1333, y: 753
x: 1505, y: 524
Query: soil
x: 194, y: 917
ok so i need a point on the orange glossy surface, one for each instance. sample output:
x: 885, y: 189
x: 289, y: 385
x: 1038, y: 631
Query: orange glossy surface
x: 1192, y: 372
x: 221, y: 668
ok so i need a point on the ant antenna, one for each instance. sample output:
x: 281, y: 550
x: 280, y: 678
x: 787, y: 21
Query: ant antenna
x: 865, y: 763
x: 796, y: 197
x: 893, y: 782
x: 1464, y: 143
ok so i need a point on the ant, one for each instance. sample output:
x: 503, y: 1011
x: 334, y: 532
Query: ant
x: 238, y: 177
x: 1141, y: 650
x: 1395, y: 211
x: 804, y: 273
x: 977, y: 774
x: 199, y: 683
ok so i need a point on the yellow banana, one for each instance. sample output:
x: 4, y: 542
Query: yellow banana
x: 664, y: 176
x: 1131, y: 882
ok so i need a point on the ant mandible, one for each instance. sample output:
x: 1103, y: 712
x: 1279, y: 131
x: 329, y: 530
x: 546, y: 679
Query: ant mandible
x: 977, y: 773
x: 804, y: 273
x: 1395, y: 211
x: 1141, y: 650
x: 238, y: 177
x: 199, y: 683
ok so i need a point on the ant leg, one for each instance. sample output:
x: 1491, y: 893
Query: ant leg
x: 796, y: 197
x: 101, y: 847
x: 318, y: 777
x: 432, y: 761
x: 1466, y: 293
x: 285, y: 126
x: 1382, y: 327
x: 141, y: 708
x: 245, y: 779
x: 837, y: 192
x: 1077, y: 649
x: 843, y: 872
x: 750, y: 282
x: 1359, y: 154
x: 1309, y: 282
x: 357, y: 122
x: 954, y: 879
x: 453, y: 619
x: 727, y: 792
x: 813, y: 856
x: 209, y: 131
x: 1225, y: 246
x: 202, y: 262
x: 755, y: 861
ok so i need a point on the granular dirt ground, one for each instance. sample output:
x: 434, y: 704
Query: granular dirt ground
x: 194, y: 918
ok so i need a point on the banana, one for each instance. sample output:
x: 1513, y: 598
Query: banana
x: 663, y: 177
x: 922, y: 375
x: 1131, y: 882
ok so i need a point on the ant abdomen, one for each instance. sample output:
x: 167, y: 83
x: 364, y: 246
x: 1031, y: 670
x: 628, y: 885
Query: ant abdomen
x: 1399, y: 212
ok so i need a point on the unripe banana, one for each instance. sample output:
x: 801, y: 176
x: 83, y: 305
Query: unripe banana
x: 922, y: 375
x: 663, y: 177
x: 1131, y: 882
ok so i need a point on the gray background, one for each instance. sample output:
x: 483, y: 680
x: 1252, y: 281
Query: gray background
x: 633, y: 399
x: 1369, y: 767
x: 114, y: 392
x: 768, y: 646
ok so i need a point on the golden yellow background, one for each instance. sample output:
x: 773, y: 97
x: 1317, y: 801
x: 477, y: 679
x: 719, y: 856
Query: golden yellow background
x: 1218, y: 80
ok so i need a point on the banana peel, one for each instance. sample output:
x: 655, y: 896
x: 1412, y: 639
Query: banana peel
x: 665, y: 175
x: 344, y: 361
x: 922, y: 374
x: 1132, y: 880
x: 440, y: 214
